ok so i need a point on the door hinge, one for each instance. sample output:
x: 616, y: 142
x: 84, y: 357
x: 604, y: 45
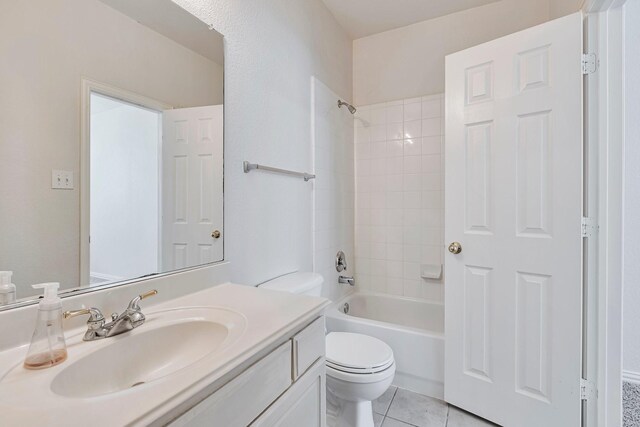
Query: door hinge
x: 588, y: 227
x: 589, y: 63
x: 588, y: 390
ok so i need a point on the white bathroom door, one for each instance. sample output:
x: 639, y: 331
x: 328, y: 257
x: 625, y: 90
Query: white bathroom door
x: 513, y: 295
x: 191, y: 186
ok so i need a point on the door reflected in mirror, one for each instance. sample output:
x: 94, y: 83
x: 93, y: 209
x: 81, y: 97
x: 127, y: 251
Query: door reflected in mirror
x: 112, y: 141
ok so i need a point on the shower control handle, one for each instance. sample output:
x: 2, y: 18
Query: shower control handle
x: 341, y: 262
x: 455, y: 248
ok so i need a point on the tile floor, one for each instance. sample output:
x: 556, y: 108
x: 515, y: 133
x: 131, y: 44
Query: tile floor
x: 402, y: 408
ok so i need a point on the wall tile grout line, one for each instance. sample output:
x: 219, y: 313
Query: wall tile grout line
x: 399, y: 196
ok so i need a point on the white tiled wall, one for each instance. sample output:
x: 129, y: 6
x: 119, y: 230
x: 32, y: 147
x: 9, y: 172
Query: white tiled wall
x: 333, y: 224
x: 399, y: 196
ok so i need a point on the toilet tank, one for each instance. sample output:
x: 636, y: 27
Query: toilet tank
x: 296, y: 283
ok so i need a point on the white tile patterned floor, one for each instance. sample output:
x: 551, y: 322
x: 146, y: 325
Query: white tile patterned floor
x: 402, y: 408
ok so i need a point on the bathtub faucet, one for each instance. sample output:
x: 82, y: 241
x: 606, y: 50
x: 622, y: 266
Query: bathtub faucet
x: 350, y: 280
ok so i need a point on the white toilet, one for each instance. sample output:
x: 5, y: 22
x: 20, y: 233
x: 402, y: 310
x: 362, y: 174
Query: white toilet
x: 360, y: 368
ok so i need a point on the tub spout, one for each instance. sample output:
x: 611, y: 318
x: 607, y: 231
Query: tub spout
x: 350, y: 280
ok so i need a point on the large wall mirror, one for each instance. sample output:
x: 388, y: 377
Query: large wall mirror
x: 111, y: 142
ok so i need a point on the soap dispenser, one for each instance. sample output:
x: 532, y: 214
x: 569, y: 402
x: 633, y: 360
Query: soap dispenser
x: 7, y: 289
x: 48, y: 347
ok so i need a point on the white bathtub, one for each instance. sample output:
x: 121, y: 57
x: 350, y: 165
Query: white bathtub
x: 413, y: 328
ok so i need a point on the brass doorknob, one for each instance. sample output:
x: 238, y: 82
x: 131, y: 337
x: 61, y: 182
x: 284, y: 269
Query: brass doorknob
x: 216, y: 234
x: 455, y: 248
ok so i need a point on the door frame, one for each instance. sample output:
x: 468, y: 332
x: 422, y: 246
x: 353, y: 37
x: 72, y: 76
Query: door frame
x: 89, y: 86
x: 604, y: 125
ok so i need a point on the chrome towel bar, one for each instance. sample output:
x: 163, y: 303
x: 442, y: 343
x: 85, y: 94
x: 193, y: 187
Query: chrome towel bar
x: 248, y: 167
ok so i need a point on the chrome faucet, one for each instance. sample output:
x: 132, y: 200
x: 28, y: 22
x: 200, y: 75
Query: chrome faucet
x: 97, y: 329
x: 344, y: 279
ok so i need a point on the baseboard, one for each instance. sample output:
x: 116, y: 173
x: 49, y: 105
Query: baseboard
x: 631, y: 376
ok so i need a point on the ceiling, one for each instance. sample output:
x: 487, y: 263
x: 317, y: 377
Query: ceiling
x: 362, y: 18
x: 170, y: 20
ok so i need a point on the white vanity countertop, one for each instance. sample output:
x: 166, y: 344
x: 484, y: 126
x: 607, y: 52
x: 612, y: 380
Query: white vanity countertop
x: 26, y: 398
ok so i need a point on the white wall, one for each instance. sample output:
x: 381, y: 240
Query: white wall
x: 334, y: 198
x: 125, y: 144
x: 272, y: 50
x: 409, y: 61
x: 631, y: 309
x: 399, y: 196
x: 50, y: 45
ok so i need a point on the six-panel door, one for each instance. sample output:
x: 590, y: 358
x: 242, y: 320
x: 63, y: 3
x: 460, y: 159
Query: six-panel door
x: 513, y: 182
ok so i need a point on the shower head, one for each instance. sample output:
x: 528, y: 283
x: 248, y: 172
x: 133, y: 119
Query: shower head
x: 351, y: 108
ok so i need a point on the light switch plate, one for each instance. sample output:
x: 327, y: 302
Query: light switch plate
x: 61, y: 180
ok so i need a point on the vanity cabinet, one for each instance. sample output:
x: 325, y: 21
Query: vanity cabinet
x: 302, y: 405
x: 284, y: 388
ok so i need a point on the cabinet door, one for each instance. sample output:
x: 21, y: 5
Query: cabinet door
x: 241, y: 400
x: 308, y: 346
x: 303, y: 404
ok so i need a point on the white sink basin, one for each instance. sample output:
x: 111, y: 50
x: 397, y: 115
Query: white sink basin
x: 168, y: 342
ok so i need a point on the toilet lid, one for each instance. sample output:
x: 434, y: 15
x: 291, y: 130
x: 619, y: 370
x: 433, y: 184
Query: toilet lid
x: 357, y: 353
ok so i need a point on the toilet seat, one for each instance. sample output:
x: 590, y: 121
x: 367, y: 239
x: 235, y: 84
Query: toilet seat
x: 361, y: 378
x: 352, y: 370
x: 357, y: 353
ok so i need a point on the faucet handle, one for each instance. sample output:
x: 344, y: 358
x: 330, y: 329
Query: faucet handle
x: 147, y: 294
x: 95, y: 315
x: 95, y: 324
x: 133, y: 305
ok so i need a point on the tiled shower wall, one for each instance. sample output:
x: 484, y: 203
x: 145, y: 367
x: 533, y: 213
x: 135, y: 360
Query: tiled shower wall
x: 399, y: 196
